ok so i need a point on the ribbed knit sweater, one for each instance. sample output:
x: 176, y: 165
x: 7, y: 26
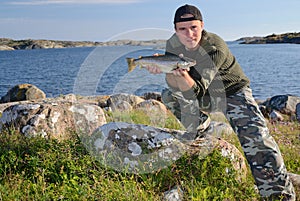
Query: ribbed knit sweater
x: 216, y: 71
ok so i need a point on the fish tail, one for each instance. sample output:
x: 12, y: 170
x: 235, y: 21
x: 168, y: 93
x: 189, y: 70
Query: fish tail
x: 131, y: 64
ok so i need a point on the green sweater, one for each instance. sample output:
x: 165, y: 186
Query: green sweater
x: 216, y: 71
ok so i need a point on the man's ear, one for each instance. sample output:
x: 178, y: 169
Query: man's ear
x: 202, y: 24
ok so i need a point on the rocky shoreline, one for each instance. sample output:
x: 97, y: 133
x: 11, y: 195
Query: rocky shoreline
x: 26, y: 109
x: 26, y: 44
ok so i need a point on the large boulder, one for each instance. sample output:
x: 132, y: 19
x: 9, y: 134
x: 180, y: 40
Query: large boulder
x: 53, y: 118
x: 23, y: 92
x: 139, y: 148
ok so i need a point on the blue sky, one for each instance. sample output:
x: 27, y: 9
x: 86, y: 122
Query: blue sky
x: 103, y: 20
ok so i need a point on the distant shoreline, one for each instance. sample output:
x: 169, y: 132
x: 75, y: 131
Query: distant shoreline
x: 26, y: 44
x: 272, y: 39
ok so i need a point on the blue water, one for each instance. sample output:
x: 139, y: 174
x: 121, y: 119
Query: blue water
x: 272, y: 69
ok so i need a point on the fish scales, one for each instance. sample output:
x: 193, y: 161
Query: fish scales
x: 166, y: 62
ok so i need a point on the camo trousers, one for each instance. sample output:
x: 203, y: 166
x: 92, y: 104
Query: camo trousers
x: 261, y: 151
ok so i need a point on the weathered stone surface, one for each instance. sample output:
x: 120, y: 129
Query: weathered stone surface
x: 155, y: 110
x: 52, y: 118
x: 23, y: 92
x: 175, y: 194
x: 123, y: 102
x: 140, y: 148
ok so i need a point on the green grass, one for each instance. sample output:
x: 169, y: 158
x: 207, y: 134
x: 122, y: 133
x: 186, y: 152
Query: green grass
x: 41, y: 169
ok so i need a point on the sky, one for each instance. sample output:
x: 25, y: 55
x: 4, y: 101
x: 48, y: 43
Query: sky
x: 108, y: 20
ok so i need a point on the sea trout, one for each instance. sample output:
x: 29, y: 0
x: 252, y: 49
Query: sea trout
x: 165, y: 62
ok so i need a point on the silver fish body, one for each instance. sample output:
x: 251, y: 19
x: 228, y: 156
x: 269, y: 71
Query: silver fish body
x: 166, y: 62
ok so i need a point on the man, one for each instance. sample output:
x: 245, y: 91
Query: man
x: 218, y: 82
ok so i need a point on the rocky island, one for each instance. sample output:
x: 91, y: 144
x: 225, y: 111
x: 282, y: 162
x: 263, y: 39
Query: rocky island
x: 280, y: 38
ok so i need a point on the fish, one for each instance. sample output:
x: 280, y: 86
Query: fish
x: 165, y: 62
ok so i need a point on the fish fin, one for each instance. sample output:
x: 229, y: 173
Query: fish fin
x: 131, y: 64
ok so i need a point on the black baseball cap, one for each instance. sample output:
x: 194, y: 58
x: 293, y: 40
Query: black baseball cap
x: 187, y: 9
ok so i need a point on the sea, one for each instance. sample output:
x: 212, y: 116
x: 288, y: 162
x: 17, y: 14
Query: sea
x: 274, y: 69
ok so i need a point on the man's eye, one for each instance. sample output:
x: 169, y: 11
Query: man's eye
x: 181, y: 29
x: 194, y: 27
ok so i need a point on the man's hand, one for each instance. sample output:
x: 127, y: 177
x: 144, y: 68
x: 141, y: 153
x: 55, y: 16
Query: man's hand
x: 153, y: 69
x: 180, y: 79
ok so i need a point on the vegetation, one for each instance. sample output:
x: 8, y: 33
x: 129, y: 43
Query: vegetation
x: 40, y: 169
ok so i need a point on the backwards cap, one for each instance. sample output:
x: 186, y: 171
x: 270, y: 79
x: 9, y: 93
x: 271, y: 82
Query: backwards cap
x: 187, y: 9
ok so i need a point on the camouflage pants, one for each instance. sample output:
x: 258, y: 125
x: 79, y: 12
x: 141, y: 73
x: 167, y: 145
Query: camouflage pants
x: 187, y: 111
x: 261, y: 150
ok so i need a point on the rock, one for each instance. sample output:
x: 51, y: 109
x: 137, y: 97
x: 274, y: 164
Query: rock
x: 155, y: 110
x: 142, y: 149
x: 295, y: 179
x: 275, y: 116
x: 285, y: 104
x: 123, y: 102
x: 298, y: 112
x: 175, y: 194
x: 203, y: 146
x: 152, y: 95
x: 52, y: 118
x: 5, y: 47
x: 23, y: 92
x: 217, y: 128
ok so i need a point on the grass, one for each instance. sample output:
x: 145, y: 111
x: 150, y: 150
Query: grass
x: 40, y: 169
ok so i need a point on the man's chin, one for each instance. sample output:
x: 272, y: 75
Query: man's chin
x: 192, y: 46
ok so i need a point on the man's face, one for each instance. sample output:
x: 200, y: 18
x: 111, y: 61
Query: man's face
x: 189, y: 33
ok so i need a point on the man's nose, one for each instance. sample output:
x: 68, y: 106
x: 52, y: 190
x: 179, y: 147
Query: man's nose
x: 189, y: 33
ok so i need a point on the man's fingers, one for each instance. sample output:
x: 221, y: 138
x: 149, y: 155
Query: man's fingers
x: 153, y: 69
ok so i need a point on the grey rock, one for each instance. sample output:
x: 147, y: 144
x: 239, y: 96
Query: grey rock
x: 23, y: 92
x: 52, y: 118
x: 275, y: 116
x: 175, y: 194
x: 139, y: 148
x: 123, y: 102
x: 285, y: 104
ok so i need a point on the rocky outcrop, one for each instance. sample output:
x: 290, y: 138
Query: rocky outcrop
x: 274, y: 38
x: 138, y: 148
x: 23, y: 92
x: 52, y: 118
